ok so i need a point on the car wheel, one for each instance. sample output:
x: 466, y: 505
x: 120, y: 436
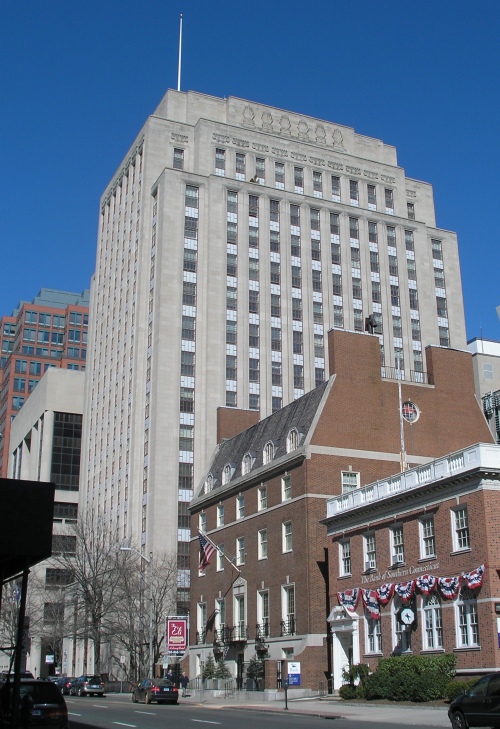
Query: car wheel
x: 458, y: 721
x: 148, y: 698
x: 80, y: 692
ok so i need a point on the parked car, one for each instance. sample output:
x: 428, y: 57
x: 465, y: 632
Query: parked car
x: 64, y: 684
x: 156, y: 689
x: 479, y: 705
x: 87, y: 685
x: 4, y: 675
x: 41, y: 704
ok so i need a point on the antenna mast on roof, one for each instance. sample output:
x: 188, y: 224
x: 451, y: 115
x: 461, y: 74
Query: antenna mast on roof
x: 180, y: 56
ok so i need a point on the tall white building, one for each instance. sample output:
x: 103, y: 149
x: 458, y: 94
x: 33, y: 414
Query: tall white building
x: 231, y: 239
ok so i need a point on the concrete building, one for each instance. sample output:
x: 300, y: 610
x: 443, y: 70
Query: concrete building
x: 266, y: 491
x: 45, y: 445
x: 50, y: 331
x: 413, y: 564
x: 232, y: 237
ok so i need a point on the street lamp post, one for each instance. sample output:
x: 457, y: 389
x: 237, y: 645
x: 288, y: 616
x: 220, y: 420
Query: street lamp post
x: 150, y: 563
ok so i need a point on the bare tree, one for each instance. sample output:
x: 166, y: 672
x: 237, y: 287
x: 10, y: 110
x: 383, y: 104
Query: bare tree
x: 88, y: 550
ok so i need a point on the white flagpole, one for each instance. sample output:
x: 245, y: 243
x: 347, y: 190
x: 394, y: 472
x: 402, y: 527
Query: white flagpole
x: 180, y: 57
x: 219, y: 550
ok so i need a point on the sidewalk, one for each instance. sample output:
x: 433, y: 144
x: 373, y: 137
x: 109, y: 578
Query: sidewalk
x: 332, y: 707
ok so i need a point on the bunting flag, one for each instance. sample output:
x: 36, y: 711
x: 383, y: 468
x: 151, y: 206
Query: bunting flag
x: 405, y: 589
x: 349, y: 599
x: 449, y: 587
x: 370, y: 602
x: 385, y: 592
x: 426, y: 584
x: 474, y: 578
x: 206, y: 551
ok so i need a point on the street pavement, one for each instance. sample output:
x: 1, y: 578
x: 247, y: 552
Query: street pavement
x: 330, y: 707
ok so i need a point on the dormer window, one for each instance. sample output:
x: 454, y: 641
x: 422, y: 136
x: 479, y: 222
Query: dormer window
x: 226, y: 474
x: 292, y: 440
x: 268, y: 452
x: 209, y: 483
x: 246, y: 465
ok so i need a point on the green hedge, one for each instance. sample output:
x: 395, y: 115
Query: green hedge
x: 410, y: 678
x: 455, y: 688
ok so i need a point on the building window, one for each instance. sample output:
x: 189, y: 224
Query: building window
x: 240, y: 550
x: 186, y: 402
x: 260, y: 170
x: 286, y: 487
x: 433, y: 623
x: 240, y: 618
x: 296, y: 309
x: 253, y: 335
x: 389, y: 201
x: 288, y: 619
x: 268, y: 454
x: 370, y: 552
x: 373, y: 634
x: 353, y: 192
x: 58, y: 577
x: 253, y: 402
x: 220, y: 515
x: 292, y: 440
x: 411, y: 210
x: 350, y: 481
x: 287, y: 536
x: 220, y: 558
x: 444, y: 337
x: 275, y: 339
x: 220, y: 162
x: 253, y: 370
x: 178, y: 159
x: 263, y: 613
x: 354, y: 228
x: 246, y: 465
x: 202, y: 620
x: 317, y: 184
x: 262, y: 498
x: 240, y: 166
x: 279, y: 175
x: 298, y: 345
x: 298, y: 377
x: 437, y: 250
x: 226, y: 474
x: 262, y: 545
x: 372, y: 197
x: 397, y: 545
x: 345, y: 557
x: 276, y: 374
x: 298, y: 176
x: 460, y: 524
x: 335, y: 188
x: 467, y: 619
x: 240, y: 507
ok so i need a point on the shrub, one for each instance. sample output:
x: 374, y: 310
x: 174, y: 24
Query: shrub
x: 410, y: 678
x: 455, y: 688
x: 348, y: 691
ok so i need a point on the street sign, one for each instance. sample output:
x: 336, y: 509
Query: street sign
x: 293, y: 673
x: 176, y: 636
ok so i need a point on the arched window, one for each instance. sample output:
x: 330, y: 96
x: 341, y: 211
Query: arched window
x: 466, y: 619
x: 268, y: 452
x: 292, y: 440
x: 246, y: 465
x: 226, y: 474
x: 209, y: 483
x: 433, y: 622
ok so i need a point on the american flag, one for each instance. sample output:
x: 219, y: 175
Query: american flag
x: 206, y: 551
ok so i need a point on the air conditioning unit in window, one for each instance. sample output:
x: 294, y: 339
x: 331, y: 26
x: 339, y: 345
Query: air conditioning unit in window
x: 397, y: 559
x: 370, y: 565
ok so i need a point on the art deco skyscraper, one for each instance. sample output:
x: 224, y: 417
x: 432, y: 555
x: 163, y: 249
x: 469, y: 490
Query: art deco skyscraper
x: 231, y: 239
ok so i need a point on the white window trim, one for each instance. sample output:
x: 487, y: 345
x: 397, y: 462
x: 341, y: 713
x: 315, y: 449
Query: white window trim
x: 366, y: 560
x: 432, y: 609
x: 220, y: 515
x: 342, y: 572
x: 286, y: 536
x: 453, y: 514
x: 240, y: 507
x: 370, y: 630
x: 220, y: 558
x: 260, y: 551
x: 397, y: 556
x: 423, y: 555
x: 262, y: 491
x: 467, y: 604
x: 239, y: 558
x: 286, y: 487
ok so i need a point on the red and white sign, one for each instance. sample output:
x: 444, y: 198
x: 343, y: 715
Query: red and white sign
x: 177, y: 636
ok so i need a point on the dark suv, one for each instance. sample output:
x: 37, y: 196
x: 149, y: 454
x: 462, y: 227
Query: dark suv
x: 87, y: 685
x: 41, y: 704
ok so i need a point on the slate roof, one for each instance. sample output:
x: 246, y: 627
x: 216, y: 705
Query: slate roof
x: 299, y: 414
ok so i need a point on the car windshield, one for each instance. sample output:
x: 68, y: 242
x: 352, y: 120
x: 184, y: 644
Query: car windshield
x: 163, y: 682
x: 93, y: 679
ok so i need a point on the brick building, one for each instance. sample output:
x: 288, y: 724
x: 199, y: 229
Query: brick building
x: 406, y: 559
x: 50, y: 331
x: 266, y: 489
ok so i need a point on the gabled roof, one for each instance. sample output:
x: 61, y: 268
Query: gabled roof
x: 300, y: 414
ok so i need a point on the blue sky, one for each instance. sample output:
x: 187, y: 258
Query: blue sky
x: 79, y: 79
